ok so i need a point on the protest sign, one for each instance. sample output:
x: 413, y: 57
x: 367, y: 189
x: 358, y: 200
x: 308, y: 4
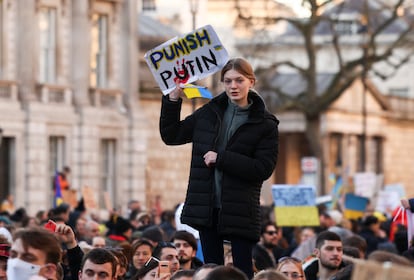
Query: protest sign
x: 387, y: 201
x: 364, y: 269
x: 70, y: 197
x: 295, y: 205
x: 365, y: 184
x: 399, y: 188
x: 89, y: 198
x: 186, y: 59
x: 355, y: 206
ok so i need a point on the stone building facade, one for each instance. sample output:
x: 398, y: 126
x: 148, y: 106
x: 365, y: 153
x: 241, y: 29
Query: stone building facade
x: 68, y: 97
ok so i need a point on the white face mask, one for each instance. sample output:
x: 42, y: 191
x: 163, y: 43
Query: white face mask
x: 18, y: 269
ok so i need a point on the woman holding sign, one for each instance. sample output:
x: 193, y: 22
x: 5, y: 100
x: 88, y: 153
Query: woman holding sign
x: 235, y: 147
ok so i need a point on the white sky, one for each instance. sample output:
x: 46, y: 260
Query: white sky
x: 296, y: 5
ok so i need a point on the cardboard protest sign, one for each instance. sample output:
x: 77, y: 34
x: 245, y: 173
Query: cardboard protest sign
x: 188, y: 58
x: 375, y: 270
x: 70, y: 197
x: 295, y: 205
x: 89, y: 198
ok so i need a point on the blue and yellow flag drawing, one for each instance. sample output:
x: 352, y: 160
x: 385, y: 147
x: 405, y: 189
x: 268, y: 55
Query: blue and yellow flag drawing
x: 192, y: 91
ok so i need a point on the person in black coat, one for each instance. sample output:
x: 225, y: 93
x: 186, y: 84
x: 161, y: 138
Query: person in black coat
x: 372, y: 233
x: 267, y: 252
x: 235, y: 147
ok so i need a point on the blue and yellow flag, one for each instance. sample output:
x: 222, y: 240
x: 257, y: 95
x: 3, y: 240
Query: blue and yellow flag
x: 355, y: 206
x: 295, y: 205
x: 192, y: 91
x: 58, y: 199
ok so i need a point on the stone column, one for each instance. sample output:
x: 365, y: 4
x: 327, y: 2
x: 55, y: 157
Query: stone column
x: 27, y: 32
x: 80, y: 51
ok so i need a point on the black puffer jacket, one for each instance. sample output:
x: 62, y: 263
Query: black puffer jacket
x: 249, y: 159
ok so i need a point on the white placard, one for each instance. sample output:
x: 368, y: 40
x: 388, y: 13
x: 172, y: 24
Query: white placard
x: 188, y: 58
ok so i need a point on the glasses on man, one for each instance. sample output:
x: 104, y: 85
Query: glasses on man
x: 271, y: 232
x: 293, y: 275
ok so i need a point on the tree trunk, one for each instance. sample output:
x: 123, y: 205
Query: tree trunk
x: 313, y: 135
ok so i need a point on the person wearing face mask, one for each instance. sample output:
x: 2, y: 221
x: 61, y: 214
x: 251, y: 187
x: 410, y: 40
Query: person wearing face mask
x: 34, y: 254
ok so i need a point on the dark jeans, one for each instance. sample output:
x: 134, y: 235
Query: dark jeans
x: 212, y: 244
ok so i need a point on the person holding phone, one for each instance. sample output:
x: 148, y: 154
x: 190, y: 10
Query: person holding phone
x: 34, y: 252
x: 152, y: 270
x: 235, y: 148
x: 167, y: 252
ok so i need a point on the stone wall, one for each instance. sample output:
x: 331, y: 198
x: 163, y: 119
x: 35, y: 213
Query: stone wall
x: 167, y: 166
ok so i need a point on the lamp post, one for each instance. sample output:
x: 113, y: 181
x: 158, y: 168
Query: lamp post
x: 365, y: 48
x: 364, y: 109
x: 193, y: 10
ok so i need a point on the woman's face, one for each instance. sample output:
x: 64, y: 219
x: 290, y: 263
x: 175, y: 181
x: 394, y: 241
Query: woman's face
x: 151, y: 274
x: 291, y: 271
x: 141, y: 255
x: 237, y: 87
x: 306, y: 234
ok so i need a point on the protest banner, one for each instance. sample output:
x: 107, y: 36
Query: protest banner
x: 399, y: 188
x: 295, y: 205
x: 186, y: 59
x: 70, y: 197
x: 387, y: 201
x: 89, y: 198
x: 365, y: 184
x: 366, y: 269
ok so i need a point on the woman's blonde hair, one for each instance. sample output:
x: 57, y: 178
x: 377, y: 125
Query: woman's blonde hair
x: 269, y: 274
x: 296, y: 262
x: 240, y: 65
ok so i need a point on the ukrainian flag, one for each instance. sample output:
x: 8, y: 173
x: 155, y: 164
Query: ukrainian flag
x: 193, y: 91
x: 58, y: 199
x: 355, y: 206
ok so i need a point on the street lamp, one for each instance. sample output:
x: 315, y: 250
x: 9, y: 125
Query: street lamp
x: 365, y: 32
x: 193, y: 10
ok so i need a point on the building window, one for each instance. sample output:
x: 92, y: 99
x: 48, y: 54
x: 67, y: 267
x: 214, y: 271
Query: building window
x: 399, y: 92
x: 7, y: 167
x: 335, y: 153
x: 57, y: 155
x: 346, y: 27
x: 377, y: 150
x: 47, y: 32
x: 148, y: 5
x: 108, y: 170
x: 1, y: 38
x: 99, y: 51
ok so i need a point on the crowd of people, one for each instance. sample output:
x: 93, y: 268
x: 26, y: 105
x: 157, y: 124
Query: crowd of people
x: 66, y: 243
x: 235, y: 148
